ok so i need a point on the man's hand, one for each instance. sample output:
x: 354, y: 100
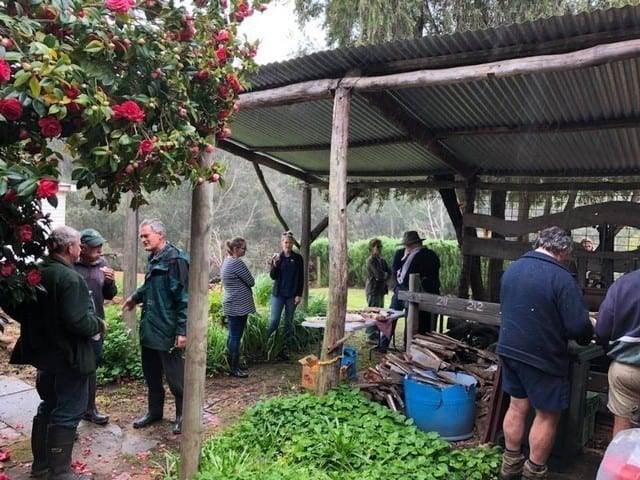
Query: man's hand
x: 180, y: 342
x: 109, y: 273
x: 297, y: 300
x: 129, y: 304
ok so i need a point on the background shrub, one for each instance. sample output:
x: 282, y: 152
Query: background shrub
x: 121, y: 352
x: 262, y: 290
x: 447, y: 250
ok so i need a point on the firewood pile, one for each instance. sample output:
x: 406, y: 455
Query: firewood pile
x: 430, y: 354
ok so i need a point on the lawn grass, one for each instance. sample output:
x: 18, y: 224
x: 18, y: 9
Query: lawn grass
x: 356, y: 298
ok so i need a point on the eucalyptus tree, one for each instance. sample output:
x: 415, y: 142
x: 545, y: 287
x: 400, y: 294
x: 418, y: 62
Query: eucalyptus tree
x: 357, y: 22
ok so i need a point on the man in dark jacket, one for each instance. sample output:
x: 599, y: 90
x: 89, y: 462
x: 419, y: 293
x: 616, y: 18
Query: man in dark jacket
x: 55, y: 333
x: 423, y: 261
x: 102, y: 286
x: 542, y: 308
x: 163, y: 323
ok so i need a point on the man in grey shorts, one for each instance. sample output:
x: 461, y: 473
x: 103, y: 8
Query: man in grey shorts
x: 618, y: 328
x: 542, y: 308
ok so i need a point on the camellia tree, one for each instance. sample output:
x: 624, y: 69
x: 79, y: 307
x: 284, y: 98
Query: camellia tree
x: 138, y: 90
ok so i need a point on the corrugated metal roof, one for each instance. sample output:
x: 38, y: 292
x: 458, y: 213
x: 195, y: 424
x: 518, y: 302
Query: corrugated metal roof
x: 578, y: 122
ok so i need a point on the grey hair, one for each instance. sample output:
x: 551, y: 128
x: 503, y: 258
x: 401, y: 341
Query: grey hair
x: 555, y: 240
x: 236, y: 242
x: 156, y: 225
x: 62, y: 237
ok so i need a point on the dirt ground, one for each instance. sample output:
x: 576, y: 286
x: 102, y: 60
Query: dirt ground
x: 226, y: 398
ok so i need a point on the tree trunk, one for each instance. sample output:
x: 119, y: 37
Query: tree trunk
x: 305, y: 240
x: 329, y: 372
x: 130, y: 265
x: 197, y: 321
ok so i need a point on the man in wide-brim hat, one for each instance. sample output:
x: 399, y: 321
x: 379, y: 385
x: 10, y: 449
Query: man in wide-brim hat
x: 411, y: 238
x: 423, y: 261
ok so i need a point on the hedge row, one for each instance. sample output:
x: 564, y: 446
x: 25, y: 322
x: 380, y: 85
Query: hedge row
x: 358, y: 251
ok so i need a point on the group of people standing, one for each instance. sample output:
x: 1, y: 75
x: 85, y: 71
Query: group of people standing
x: 412, y: 258
x: 62, y: 329
x: 286, y: 268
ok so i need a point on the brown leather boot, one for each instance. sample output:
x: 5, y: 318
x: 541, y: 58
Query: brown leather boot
x: 534, y: 472
x: 512, y: 463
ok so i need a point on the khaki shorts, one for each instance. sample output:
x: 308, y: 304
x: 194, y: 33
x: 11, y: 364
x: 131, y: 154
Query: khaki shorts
x: 624, y: 389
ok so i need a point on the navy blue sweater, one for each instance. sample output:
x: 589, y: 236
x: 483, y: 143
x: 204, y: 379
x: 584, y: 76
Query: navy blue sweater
x: 542, y: 308
x: 619, y: 319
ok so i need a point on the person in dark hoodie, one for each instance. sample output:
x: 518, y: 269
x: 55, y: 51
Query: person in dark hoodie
x: 618, y: 329
x: 163, y: 323
x: 55, y: 333
x: 102, y: 286
x: 542, y: 309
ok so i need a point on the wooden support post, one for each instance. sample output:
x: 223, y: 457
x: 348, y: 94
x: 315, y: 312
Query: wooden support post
x: 197, y: 320
x: 130, y: 264
x: 305, y: 240
x: 329, y: 373
x: 413, y: 310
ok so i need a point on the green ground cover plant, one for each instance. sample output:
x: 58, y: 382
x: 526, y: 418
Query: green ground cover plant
x: 342, y: 436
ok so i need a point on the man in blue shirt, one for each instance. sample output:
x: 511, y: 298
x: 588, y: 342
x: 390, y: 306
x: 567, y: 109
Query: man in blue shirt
x: 542, y: 309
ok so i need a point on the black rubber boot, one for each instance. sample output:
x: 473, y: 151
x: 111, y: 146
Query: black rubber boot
x: 177, y: 425
x: 92, y: 415
x: 154, y: 414
x: 59, y: 448
x: 40, y: 465
x: 234, y: 368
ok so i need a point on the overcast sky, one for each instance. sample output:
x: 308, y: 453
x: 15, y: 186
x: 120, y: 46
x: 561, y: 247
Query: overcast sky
x: 279, y: 34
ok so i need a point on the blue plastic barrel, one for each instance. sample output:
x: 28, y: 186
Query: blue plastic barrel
x: 350, y: 359
x: 448, y: 410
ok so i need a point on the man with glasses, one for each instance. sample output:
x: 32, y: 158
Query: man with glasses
x: 163, y: 323
x: 287, y: 271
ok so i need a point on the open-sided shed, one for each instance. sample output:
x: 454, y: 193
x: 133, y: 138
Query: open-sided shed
x: 547, y: 105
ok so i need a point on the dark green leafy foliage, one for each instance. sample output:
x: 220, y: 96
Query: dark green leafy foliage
x: 338, y: 436
x: 121, y: 353
x: 447, y: 250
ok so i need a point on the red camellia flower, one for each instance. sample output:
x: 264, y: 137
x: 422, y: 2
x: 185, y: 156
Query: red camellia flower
x: 7, y: 269
x: 10, y: 108
x: 234, y: 83
x: 72, y: 93
x: 202, y: 75
x: 5, y: 71
x: 119, y: 6
x: 128, y: 110
x: 146, y: 146
x: 223, y: 133
x: 221, y: 53
x: 222, y: 36
x: 33, y: 147
x: 50, y: 127
x: 33, y: 277
x: 24, y: 233
x: 46, y: 188
x: 10, y: 196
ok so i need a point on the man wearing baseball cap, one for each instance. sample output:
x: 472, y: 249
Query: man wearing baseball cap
x: 101, y: 283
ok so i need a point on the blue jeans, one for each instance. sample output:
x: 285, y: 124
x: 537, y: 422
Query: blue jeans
x: 277, y: 304
x: 64, y: 397
x: 236, y: 329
